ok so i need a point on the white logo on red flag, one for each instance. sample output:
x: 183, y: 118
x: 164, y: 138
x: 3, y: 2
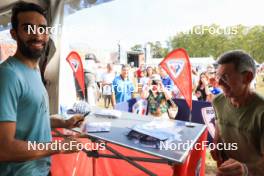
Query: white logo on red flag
x: 75, y: 64
x: 208, y: 114
x: 175, y: 67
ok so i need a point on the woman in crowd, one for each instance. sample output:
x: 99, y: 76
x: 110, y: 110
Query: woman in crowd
x: 202, y: 90
x: 107, y: 79
x: 145, y: 81
x: 158, y: 97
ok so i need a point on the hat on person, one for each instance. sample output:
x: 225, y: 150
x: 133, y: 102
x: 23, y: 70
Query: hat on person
x: 155, y: 77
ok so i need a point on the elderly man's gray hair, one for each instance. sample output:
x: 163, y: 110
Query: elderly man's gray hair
x: 125, y: 66
x: 241, y: 60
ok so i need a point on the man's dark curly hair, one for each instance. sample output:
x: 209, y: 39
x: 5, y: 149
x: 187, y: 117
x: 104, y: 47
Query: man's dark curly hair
x: 24, y: 7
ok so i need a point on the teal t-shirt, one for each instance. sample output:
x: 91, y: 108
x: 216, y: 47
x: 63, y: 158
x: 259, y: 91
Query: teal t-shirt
x: 24, y: 100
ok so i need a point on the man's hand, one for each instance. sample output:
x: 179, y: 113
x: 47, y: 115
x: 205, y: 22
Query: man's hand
x: 216, y: 155
x: 74, y: 121
x: 231, y: 167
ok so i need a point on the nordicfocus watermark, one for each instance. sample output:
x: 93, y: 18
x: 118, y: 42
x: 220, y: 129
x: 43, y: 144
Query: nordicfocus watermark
x: 125, y: 88
x: 34, y: 29
x: 184, y: 146
x: 58, y: 145
x: 58, y: 28
x: 200, y: 30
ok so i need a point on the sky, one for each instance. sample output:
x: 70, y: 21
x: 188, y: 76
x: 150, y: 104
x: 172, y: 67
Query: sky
x: 131, y: 22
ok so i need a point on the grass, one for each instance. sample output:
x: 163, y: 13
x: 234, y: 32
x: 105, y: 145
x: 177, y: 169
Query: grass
x: 260, y: 85
x: 210, y: 165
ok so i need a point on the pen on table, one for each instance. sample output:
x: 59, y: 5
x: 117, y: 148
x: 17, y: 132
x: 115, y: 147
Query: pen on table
x: 81, y: 120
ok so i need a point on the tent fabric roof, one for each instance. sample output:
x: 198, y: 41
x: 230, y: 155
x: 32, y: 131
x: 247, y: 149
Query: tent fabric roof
x: 6, y: 5
x: 75, y: 5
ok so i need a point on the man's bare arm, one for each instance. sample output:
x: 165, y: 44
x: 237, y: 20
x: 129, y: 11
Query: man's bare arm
x: 12, y: 149
x: 56, y: 121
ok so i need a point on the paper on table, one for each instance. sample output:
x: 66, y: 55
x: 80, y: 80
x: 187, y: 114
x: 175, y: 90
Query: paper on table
x: 89, y: 127
x: 160, y: 129
x: 79, y: 107
x: 108, y: 113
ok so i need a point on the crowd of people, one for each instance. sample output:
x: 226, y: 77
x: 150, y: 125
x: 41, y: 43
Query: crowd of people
x: 116, y: 85
x: 204, y: 83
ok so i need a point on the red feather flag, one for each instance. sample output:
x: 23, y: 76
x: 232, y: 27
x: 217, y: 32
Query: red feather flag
x: 75, y: 62
x: 178, y: 67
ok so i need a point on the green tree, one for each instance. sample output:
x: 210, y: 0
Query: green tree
x: 157, y: 50
x: 208, y: 43
x: 137, y: 47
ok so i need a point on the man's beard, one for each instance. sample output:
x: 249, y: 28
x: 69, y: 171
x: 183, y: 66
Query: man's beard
x: 32, y: 54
